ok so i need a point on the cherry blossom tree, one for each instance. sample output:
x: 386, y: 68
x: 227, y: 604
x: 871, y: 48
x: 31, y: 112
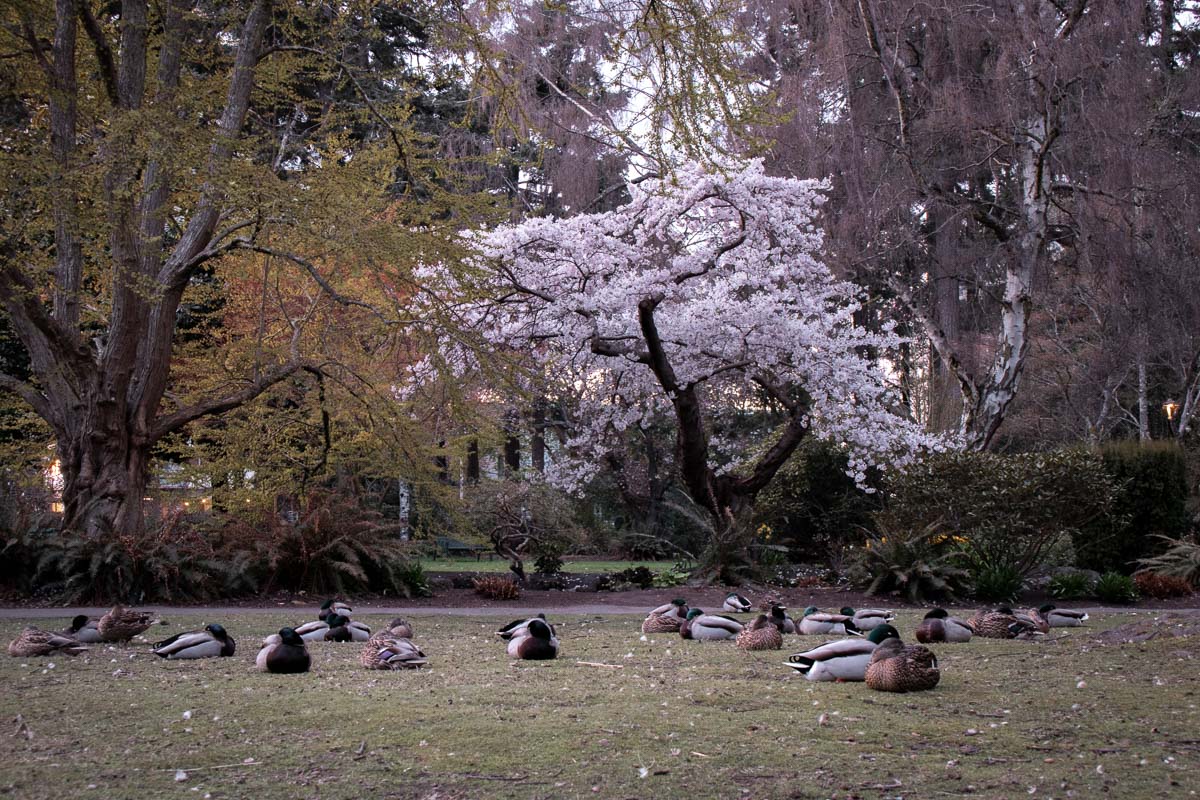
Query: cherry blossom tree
x: 704, y: 290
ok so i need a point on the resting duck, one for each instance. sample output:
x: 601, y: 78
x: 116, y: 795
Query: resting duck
x: 122, y: 624
x: 211, y: 642
x: 736, y: 603
x: 897, y: 667
x: 538, y: 644
x: 34, y: 641
x: 761, y: 634
x: 938, y: 626
x: 399, y: 628
x: 866, y: 619
x: 331, y: 606
x: 344, y: 629
x: 83, y: 629
x: 666, y: 618
x: 283, y: 653
x: 843, y: 660
x: 520, y: 627
x: 815, y: 623
x: 781, y: 620
x: 1062, y: 617
x: 709, y: 627
x: 1002, y: 624
x: 1034, y: 619
x: 384, y: 651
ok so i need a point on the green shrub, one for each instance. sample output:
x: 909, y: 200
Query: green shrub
x: 1013, y: 511
x: 1000, y: 583
x: 1151, y: 502
x: 1181, y: 560
x: 920, y: 565
x: 812, y: 506
x: 1070, y: 586
x: 676, y: 575
x: 1113, y: 587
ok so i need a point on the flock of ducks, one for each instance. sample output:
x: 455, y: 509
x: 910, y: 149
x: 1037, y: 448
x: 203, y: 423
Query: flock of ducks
x: 874, y: 653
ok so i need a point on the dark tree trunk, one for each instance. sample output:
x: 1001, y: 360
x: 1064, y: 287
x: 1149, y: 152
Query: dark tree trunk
x: 473, y: 461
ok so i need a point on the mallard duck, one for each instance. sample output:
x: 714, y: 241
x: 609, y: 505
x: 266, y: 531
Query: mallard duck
x: 344, y: 629
x: 708, y: 627
x: 866, y: 619
x: 83, y: 629
x: 666, y: 618
x: 122, y: 624
x: 761, y: 634
x: 332, y: 606
x: 538, y: 644
x: 399, y: 628
x: 1062, y: 617
x: 211, y: 642
x: 899, y: 667
x: 816, y: 623
x: 843, y: 660
x: 312, y: 631
x: 383, y: 651
x: 34, y: 641
x: 1002, y: 624
x: 520, y: 627
x: 736, y: 603
x: 781, y: 620
x: 283, y: 652
x: 938, y: 626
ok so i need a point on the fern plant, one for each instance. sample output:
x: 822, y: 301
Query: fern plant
x: 920, y: 565
x: 1181, y: 560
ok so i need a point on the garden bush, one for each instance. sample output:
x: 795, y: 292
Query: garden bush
x: 812, y: 506
x: 1152, y: 584
x: 1010, y: 511
x: 1151, y: 501
x: 1000, y: 583
x: 496, y: 587
x: 1114, y: 587
x: 920, y: 565
x: 1071, y: 586
x: 1180, y: 560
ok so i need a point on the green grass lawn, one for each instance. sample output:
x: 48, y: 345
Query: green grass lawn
x: 678, y: 719
x: 500, y: 565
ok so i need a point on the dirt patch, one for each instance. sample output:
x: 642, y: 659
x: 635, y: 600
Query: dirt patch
x: 1164, y: 626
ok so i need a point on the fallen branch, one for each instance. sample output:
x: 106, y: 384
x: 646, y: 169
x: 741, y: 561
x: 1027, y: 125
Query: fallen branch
x: 214, y: 766
x: 598, y: 664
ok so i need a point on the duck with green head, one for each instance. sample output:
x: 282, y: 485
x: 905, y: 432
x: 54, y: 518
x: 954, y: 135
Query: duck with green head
x: 211, y: 642
x: 83, y: 629
x: 1062, y: 617
x: 816, y: 623
x: 736, y: 603
x: 284, y: 653
x: 709, y: 627
x: 331, y: 606
x: 781, y: 620
x: 866, y: 619
x: 939, y: 626
x: 538, y: 644
x: 344, y: 629
x: 843, y: 660
x: 899, y: 667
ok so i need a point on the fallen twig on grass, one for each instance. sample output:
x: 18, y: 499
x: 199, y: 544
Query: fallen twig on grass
x: 598, y: 664
x: 214, y: 766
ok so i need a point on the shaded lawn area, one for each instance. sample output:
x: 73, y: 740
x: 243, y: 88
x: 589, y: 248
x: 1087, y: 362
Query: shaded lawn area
x: 500, y: 565
x: 678, y: 720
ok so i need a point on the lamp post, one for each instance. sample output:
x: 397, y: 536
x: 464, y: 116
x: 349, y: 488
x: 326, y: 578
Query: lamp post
x: 1171, y: 408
